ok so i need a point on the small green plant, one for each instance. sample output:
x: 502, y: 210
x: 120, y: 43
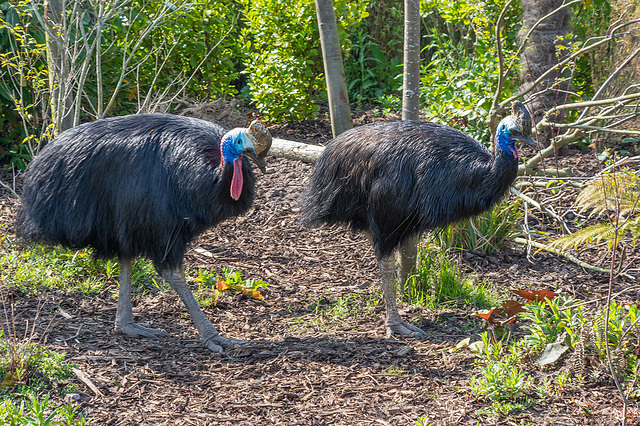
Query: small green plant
x: 438, y: 282
x: 36, y: 411
x: 212, y: 286
x: 487, y: 232
x: 551, y: 319
x: 501, y: 375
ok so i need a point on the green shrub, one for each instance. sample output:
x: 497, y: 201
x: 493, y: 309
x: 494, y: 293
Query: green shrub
x: 23, y: 83
x: 284, y: 64
x: 460, y: 72
x: 189, y: 33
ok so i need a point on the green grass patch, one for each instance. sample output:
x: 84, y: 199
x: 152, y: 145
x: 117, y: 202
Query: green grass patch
x: 438, y: 283
x: 35, y: 268
x: 487, y: 232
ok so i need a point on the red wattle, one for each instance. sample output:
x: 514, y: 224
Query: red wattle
x: 236, y: 180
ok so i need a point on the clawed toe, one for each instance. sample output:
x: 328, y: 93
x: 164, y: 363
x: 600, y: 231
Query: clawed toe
x: 405, y: 329
x: 220, y: 344
x: 139, y: 331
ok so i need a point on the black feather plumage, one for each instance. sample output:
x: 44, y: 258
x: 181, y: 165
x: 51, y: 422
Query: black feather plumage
x: 138, y: 185
x: 400, y: 178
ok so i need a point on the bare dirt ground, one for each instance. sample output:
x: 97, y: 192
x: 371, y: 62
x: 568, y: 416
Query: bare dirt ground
x: 296, y: 371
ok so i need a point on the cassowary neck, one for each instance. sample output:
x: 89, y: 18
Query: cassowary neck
x: 502, y: 174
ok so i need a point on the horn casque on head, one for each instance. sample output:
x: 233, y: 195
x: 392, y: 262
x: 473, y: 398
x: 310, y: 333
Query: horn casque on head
x: 262, y: 137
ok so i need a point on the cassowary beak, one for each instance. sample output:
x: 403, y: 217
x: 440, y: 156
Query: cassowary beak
x: 526, y: 139
x: 251, y: 154
x: 261, y: 141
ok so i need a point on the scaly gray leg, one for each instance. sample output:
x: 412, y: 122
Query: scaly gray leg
x: 208, y: 333
x: 394, y: 324
x: 407, y: 253
x: 124, y: 313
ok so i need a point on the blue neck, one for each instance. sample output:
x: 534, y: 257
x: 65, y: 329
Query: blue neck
x: 504, y: 140
x: 229, y: 148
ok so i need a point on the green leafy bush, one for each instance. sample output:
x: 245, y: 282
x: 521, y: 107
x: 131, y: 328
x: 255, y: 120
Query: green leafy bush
x: 23, y: 83
x: 189, y: 38
x: 460, y: 73
x: 284, y: 64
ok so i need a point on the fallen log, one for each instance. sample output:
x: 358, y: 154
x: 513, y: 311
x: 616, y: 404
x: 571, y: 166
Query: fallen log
x: 282, y: 148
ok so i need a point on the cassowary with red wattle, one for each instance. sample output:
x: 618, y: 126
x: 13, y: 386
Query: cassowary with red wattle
x: 142, y: 185
x: 396, y: 179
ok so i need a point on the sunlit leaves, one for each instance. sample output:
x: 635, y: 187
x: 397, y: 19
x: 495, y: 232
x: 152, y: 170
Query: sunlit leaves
x: 211, y: 287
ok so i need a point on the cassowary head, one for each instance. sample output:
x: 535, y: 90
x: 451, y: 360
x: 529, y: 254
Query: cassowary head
x: 515, y: 127
x: 234, y: 145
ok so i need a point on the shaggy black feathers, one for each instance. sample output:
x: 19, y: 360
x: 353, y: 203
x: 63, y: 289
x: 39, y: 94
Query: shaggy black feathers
x: 400, y: 178
x: 138, y: 185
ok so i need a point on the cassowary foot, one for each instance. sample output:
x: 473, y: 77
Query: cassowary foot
x: 137, y: 331
x: 405, y: 329
x: 219, y: 343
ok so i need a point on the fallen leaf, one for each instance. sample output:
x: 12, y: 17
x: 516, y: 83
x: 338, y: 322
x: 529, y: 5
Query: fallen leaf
x: 512, y: 307
x: 487, y: 315
x: 551, y: 353
x: 537, y: 295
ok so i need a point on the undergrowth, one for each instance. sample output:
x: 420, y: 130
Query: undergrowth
x: 565, y: 345
x: 35, y: 267
x: 29, y: 374
x: 487, y: 232
x: 438, y: 283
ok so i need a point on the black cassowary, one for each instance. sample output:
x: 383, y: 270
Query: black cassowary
x: 142, y: 185
x: 396, y: 179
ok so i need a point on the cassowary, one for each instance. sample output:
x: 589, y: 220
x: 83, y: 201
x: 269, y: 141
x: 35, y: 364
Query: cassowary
x: 396, y: 179
x: 142, y: 185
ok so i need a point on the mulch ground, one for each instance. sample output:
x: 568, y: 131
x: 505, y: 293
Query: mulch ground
x: 301, y: 367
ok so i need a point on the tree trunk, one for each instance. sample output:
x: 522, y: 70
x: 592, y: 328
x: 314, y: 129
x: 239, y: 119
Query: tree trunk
x: 541, y: 54
x: 58, y: 64
x: 411, y: 74
x: 333, y: 70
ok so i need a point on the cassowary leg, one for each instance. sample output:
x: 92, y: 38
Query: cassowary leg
x: 208, y: 333
x: 124, y: 313
x: 393, y: 322
x: 407, y: 254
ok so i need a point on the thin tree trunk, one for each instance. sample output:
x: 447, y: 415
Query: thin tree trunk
x: 411, y: 74
x: 339, y: 110
x: 541, y: 54
x: 61, y: 96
